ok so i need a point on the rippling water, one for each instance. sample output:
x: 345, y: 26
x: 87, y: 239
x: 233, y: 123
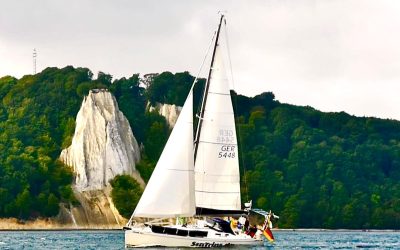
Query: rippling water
x: 284, y: 240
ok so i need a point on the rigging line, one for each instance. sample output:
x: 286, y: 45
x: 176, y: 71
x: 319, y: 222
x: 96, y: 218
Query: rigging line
x: 204, y: 60
x: 240, y: 147
x: 198, y: 75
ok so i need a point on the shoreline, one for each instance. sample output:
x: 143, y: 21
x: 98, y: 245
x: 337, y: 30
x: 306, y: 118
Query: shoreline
x: 50, y: 224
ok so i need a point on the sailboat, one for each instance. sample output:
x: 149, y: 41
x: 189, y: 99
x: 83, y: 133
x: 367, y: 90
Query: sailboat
x: 196, y: 181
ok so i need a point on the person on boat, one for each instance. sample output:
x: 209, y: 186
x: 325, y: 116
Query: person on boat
x: 246, y: 225
x: 252, y: 231
x: 182, y: 221
x: 240, y: 222
x: 243, y: 223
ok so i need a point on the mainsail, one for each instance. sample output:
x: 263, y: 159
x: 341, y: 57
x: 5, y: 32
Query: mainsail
x: 217, y: 179
x: 170, y: 190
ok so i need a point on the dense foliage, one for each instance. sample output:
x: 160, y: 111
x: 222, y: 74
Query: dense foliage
x: 173, y: 88
x: 125, y: 194
x: 320, y: 170
x: 37, y: 120
x: 314, y: 169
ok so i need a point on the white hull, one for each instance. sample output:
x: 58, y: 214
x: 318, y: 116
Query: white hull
x: 145, y: 238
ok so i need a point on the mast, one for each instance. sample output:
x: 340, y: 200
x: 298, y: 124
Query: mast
x: 203, y: 103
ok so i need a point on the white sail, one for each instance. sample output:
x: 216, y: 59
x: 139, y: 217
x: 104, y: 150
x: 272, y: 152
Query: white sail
x: 170, y: 191
x: 217, y: 179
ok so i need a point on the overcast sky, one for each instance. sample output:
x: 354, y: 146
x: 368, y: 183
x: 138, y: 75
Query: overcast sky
x: 331, y: 55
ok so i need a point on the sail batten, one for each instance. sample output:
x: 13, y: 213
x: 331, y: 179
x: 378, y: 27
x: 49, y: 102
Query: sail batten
x: 210, y: 192
x: 217, y: 143
x: 215, y: 93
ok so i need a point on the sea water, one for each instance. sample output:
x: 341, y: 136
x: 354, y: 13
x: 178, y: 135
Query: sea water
x: 284, y: 240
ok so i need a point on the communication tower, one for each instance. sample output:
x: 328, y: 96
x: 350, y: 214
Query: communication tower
x: 34, y: 61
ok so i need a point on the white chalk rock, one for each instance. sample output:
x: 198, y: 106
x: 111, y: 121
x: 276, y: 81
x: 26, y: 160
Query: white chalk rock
x: 169, y: 111
x: 103, y: 145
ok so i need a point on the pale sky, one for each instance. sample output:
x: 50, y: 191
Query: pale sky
x: 329, y: 54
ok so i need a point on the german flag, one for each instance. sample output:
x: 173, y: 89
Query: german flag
x: 268, y: 234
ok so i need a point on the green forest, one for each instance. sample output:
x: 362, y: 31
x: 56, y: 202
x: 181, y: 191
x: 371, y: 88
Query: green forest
x: 314, y: 169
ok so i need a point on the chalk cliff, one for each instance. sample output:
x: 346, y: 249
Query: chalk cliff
x: 103, y: 145
x: 170, y: 112
x: 96, y: 210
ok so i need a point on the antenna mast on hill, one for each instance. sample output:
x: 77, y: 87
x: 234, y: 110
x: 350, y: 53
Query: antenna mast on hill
x: 34, y: 61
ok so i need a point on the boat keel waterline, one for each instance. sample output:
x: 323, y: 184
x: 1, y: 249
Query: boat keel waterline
x: 145, y: 237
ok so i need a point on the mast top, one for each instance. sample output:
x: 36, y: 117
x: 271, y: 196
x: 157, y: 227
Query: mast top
x: 222, y: 12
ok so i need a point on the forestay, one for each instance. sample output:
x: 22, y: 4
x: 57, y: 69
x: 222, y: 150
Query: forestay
x: 170, y: 190
x: 217, y: 180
